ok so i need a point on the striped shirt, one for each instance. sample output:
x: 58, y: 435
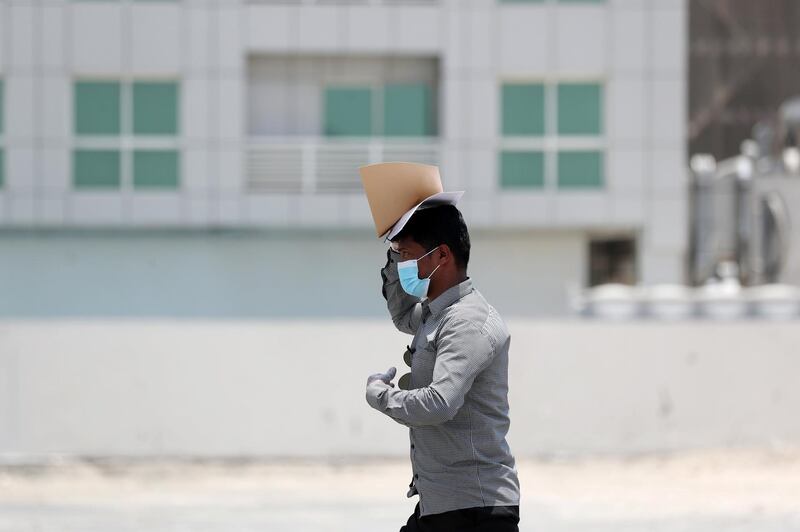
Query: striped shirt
x: 456, y: 406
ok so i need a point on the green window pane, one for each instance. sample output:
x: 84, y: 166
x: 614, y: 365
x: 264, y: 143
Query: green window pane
x: 580, y: 107
x: 521, y: 169
x: 155, y: 108
x: 348, y: 111
x: 96, y: 168
x: 580, y: 169
x: 97, y: 108
x: 155, y: 169
x: 523, y: 109
x: 407, y: 110
x: 2, y: 168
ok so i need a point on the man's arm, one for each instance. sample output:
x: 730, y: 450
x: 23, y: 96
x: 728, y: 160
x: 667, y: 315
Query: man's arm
x: 462, y: 353
x: 404, y: 308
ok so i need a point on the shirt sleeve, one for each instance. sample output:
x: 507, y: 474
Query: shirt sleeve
x: 405, y: 309
x: 374, y: 391
x: 462, y: 352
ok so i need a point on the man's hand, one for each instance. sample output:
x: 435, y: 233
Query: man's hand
x: 385, y: 377
x: 376, y: 394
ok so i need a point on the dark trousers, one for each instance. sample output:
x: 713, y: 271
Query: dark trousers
x: 478, y: 519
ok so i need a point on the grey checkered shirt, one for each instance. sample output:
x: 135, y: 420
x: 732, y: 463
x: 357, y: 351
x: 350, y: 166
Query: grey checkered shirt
x: 456, y: 406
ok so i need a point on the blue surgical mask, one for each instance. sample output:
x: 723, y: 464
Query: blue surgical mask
x: 409, y: 276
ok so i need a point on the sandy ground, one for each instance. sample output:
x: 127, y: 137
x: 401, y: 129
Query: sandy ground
x: 721, y: 490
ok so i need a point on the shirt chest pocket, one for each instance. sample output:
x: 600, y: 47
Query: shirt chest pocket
x: 422, y: 362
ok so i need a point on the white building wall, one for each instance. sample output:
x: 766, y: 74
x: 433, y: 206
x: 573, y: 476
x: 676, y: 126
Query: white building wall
x: 634, y: 47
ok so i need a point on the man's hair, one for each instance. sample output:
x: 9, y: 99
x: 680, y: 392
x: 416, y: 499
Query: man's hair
x: 438, y: 225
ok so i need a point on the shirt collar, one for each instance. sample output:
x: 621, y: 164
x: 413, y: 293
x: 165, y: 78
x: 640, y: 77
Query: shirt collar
x: 448, y: 297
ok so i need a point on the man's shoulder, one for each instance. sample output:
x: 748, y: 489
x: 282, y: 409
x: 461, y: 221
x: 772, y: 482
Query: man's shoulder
x: 474, y: 309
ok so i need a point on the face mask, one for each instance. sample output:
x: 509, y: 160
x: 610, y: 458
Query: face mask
x: 409, y: 276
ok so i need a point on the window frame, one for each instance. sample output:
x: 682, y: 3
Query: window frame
x: 127, y: 142
x: 551, y: 142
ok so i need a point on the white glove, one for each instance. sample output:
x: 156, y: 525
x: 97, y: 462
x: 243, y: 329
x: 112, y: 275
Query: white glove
x: 385, y: 377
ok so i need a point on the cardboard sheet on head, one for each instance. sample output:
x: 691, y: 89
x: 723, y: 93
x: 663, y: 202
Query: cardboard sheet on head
x: 396, y: 190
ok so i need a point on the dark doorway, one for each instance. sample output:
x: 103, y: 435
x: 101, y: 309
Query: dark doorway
x: 612, y: 260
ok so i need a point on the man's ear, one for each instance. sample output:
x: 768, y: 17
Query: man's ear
x: 445, y: 253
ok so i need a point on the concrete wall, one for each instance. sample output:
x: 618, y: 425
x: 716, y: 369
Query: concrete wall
x: 296, y: 388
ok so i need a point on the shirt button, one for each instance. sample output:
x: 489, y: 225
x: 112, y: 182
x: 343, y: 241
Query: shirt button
x: 412, y: 445
x: 416, y: 475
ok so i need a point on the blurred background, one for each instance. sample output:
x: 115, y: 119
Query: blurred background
x: 190, y: 297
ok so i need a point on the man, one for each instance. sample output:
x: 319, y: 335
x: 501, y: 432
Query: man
x: 455, y: 400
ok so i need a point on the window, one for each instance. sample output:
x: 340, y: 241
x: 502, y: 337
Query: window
x: 155, y: 108
x: 407, y: 110
x: 97, y: 108
x: 348, y: 111
x: 96, y: 168
x: 579, y: 110
x: 522, y: 169
x: 580, y: 168
x: 552, y: 135
x: 126, y: 135
x: 388, y: 110
x: 523, y: 109
x: 155, y: 168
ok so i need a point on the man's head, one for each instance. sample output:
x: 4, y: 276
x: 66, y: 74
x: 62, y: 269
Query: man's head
x: 443, y: 228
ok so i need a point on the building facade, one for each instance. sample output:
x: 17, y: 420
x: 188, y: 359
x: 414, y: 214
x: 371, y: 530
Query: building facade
x: 130, y: 127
